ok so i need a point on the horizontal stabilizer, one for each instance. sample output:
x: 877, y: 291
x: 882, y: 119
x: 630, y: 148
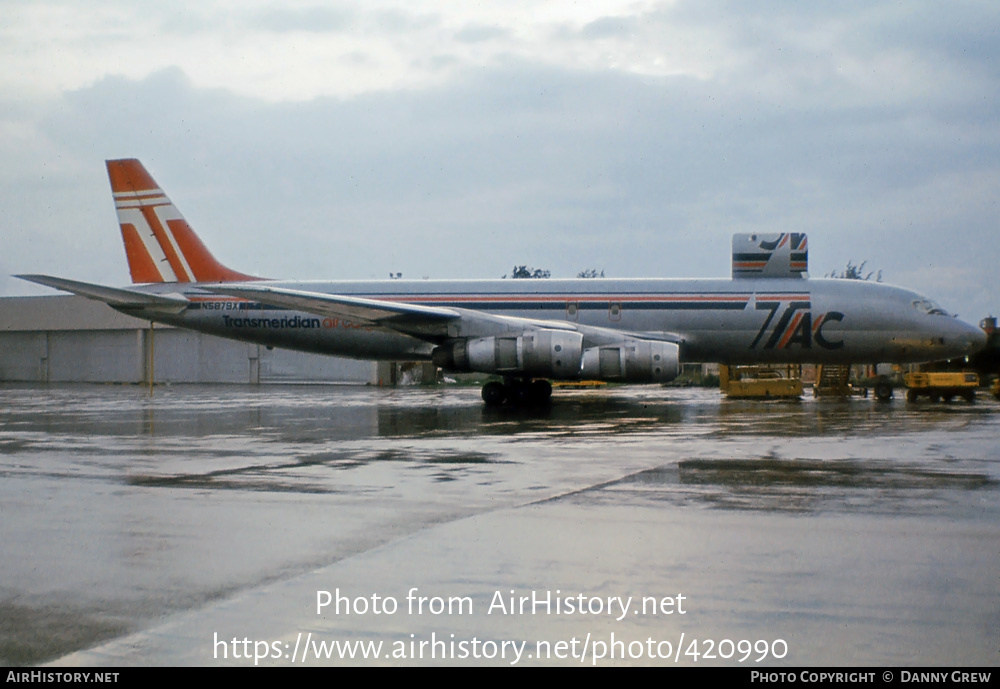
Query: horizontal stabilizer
x: 774, y: 255
x: 114, y: 296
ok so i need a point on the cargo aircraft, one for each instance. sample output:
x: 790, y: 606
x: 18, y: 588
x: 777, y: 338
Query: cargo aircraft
x: 527, y: 332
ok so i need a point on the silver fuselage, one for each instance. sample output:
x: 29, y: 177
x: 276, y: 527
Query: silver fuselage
x: 734, y: 321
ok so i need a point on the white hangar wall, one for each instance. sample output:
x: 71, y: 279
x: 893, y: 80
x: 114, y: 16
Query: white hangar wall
x: 64, y: 339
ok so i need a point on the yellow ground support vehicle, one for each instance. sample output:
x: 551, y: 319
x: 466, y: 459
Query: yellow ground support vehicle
x: 995, y: 388
x: 941, y: 385
x: 761, y: 382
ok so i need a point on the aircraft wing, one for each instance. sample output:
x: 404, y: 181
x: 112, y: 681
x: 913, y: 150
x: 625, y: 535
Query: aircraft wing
x: 119, y: 298
x: 433, y: 323
x: 408, y: 318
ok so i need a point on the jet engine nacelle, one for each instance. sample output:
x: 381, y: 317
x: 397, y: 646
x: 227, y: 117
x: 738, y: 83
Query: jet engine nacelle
x: 636, y: 361
x: 543, y: 353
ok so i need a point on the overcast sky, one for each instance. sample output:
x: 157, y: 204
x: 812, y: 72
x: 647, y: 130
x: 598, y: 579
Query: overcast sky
x: 454, y: 140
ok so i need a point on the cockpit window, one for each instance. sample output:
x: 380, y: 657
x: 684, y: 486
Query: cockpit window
x: 929, y: 307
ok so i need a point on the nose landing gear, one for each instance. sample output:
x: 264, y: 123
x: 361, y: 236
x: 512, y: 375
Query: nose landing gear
x: 883, y: 389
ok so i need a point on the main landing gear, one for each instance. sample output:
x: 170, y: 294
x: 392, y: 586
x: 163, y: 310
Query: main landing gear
x: 517, y: 391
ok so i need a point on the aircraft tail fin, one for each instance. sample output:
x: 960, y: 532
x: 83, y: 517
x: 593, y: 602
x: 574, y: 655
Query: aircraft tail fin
x: 770, y: 255
x: 159, y: 243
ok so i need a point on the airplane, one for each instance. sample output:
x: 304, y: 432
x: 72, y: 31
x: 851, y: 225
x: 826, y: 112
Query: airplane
x: 527, y: 332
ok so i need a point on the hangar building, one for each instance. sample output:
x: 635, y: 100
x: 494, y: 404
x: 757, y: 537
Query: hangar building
x: 69, y: 339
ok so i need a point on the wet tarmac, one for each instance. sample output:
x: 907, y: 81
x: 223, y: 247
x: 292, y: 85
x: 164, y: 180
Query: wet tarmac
x: 204, y: 525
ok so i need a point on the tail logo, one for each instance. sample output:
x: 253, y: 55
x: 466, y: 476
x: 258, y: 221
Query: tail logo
x: 159, y: 243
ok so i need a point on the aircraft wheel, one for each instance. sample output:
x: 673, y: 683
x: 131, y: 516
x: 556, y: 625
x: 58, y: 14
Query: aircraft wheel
x: 911, y: 395
x: 948, y: 397
x: 970, y: 396
x: 494, y: 394
x: 541, y: 391
x: 883, y: 390
x: 935, y: 397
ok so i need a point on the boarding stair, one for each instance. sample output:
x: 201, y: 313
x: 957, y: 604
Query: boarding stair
x: 833, y: 380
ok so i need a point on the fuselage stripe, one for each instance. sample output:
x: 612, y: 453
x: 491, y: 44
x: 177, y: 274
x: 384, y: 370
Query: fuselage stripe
x: 588, y: 302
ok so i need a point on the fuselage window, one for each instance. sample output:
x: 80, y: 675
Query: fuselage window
x: 572, y: 310
x: 615, y: 311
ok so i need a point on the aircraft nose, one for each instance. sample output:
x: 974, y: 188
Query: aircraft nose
x: 959, y: 339
x: 976, y: 339
x: 968, y: 338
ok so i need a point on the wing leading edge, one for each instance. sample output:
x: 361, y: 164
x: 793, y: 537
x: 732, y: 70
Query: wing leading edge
x: 413, y: 319
x: 433, y: 323
x: 469, y: 340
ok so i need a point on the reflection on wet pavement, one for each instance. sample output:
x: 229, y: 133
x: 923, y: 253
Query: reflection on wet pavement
x: 119, y: 508
x: 797, y: 485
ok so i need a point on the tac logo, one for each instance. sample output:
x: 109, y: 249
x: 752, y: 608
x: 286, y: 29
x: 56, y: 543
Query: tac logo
x: 794, y: 327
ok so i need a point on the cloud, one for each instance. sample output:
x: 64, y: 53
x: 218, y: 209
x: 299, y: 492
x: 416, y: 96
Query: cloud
x: 611, y: 27
x: 310, y: 19
x: 478, y: 33
x: 797, y: 120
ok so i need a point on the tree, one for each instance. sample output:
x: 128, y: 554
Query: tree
x: 525, y: 272
x: 590, y: 273
x: 856, y: 272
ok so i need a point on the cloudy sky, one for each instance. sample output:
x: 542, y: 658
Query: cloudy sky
x: 346, y: 139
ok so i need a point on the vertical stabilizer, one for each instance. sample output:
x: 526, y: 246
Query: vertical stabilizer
x: 772, y: 255
x: 159, y: 243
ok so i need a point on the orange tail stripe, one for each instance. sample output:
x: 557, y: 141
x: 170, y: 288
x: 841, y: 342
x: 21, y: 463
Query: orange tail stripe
x: 140, y: 264
x: 156, y: 226
x: 203, y: 264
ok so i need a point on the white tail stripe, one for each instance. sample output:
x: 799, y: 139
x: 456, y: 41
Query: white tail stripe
x: 165, y: 213
x: 137, y: 203
x: 137, y: 193
x: 134, y: 217
x: 140, y: 199
x: 164, y: 210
